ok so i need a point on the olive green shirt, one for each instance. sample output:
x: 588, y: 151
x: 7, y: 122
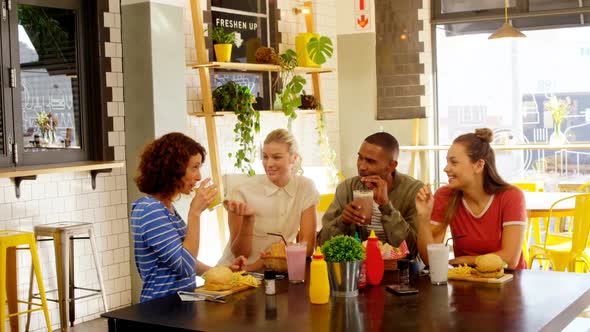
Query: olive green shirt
x: 398, y: 217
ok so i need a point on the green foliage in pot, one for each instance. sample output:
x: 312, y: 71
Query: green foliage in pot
x: 219, y: 36
x: 235, y: 98
x: 342, y: 248
x: 320, y: 49
x: 291, y: 85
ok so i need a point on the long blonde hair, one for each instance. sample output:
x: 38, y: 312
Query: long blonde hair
x: 478, y: 147
x: 283, y: 136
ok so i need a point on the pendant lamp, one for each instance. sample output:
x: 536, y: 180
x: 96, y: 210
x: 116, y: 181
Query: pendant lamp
x: 506, y: 30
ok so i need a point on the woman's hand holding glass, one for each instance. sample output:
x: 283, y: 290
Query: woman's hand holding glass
x: 205, y: 195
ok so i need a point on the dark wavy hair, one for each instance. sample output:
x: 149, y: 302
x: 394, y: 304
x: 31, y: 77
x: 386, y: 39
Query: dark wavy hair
x: 163, y: 164
x: 478, y: 147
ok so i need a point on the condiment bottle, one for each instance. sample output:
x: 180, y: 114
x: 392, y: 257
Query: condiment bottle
x: 374, y: 261
x: 269, y: 282
x: 319, y: 285
x: 363, y: 272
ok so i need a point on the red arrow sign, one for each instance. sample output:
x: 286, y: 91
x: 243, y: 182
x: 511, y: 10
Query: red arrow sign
x: 363, y: 21
x: 362, y: 4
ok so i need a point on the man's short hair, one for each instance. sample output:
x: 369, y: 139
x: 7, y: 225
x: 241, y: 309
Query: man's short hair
x: 385, y: 141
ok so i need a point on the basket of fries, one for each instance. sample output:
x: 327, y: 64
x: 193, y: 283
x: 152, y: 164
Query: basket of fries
x: 275, y: 263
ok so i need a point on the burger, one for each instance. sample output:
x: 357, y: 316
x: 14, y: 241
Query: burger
x: 218, y: 278
x: 489, y: 266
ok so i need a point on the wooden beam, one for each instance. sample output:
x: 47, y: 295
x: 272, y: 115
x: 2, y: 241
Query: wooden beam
x: 206, y: 93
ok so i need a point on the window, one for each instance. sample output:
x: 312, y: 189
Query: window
x: 47, y: 48
x: 506, y: 84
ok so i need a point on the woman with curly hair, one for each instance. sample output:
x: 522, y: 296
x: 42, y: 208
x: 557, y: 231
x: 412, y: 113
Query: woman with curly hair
x: 166, y: 247
x: 487, y: 214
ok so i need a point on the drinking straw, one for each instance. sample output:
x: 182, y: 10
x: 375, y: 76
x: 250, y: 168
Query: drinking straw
x: 275, y: 234
x: 453, y: 238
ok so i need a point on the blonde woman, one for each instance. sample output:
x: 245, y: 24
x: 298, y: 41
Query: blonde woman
x: 282, y: 202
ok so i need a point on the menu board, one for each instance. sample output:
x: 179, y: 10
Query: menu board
x: 250, y: 20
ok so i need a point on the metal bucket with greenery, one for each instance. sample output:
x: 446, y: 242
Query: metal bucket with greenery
x: 344, y: 255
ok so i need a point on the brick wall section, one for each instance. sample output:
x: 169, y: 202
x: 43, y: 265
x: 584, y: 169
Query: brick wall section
x: 399, y: 67
x: 70, y: 197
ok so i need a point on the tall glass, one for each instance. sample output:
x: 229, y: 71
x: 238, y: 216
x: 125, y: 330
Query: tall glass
x: 438, y: 260
x: 364, y: 198
x: 296, y: 253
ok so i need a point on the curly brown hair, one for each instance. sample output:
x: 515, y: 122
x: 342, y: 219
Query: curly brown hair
x: 163, y: 164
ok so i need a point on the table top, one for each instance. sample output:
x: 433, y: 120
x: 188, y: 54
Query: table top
x: 523, y: 304
x: 542, y: 201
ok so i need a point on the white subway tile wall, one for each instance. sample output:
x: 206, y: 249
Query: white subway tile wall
x: 70, y: 197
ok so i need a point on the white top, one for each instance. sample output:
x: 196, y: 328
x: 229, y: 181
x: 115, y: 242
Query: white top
x: 278, y: 210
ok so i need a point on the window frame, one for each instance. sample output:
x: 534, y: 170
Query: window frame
x: 93, y: 93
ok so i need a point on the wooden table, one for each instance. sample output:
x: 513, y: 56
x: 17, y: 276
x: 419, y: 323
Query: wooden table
x: 523, y: 304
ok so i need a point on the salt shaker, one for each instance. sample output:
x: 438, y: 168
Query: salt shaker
x: 269, y: 282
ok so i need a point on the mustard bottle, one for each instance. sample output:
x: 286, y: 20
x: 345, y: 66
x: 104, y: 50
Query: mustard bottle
x: 319, y: 285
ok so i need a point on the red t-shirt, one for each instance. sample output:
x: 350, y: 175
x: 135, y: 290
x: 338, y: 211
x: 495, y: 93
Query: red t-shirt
x: 483, y: 233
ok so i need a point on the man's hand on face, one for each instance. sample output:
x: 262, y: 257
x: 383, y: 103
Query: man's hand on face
x: 379, y: 188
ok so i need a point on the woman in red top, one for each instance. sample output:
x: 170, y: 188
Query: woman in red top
x: 487, y: 213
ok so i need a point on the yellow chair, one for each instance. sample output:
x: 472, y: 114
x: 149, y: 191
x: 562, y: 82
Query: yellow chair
x: 585, y: 188
x: 325, y: 201
x: 566, y: 254
x: 527, y: 186
x: 10, y: 240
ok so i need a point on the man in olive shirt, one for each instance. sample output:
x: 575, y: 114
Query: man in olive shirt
x: 394, y: 195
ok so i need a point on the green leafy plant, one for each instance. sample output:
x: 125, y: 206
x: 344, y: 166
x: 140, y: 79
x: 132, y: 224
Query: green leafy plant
x: 320, y: 49
x: 219, y: 36
x: 43, y: 29
x: 291, y: 85
x: 327, y: 154
x: 235, y: 98
x: 342, y: 248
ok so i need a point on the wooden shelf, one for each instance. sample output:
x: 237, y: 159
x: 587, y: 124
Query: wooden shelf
x: 203, y: 114
x: 19, y: 174
x: 59, y: 168
x: 498, y: 147
x: 257, y: 67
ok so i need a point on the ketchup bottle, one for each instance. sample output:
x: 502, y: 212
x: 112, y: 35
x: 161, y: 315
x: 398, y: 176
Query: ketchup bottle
x: 363, y: 273
x: 374, y: 261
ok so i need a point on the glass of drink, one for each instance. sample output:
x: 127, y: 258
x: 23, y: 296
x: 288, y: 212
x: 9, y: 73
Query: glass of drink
x: 216, y: 200
x: 364, y: 198
x: 438, y: 260
x: 296, y: 253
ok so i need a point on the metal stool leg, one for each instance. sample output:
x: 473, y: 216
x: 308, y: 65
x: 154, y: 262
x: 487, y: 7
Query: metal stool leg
x: 11, y: 289
x: 61, y: 243
x: 72, y: 294
x: 98, y: 269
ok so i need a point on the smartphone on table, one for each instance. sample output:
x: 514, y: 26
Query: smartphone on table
x: 401, y: 290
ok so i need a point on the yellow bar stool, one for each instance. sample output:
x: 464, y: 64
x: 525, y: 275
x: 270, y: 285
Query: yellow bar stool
x: 10, y: 240
x: 63, y: 234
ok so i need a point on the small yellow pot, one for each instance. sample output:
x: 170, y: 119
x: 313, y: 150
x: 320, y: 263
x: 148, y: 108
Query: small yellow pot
x: 301, y: 41
x: 223, y: 52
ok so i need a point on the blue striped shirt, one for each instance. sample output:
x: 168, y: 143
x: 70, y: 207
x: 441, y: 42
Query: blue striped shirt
x: 164, y: 265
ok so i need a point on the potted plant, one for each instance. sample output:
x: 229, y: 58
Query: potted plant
x: 344, y: 255
x: 222, y: 43
x: 312, y: 49
x: 235, y: 98
x: 288, y: 94
x: 558, y: 108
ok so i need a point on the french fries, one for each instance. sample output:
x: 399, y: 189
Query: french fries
x: 238, y: 279
x: 461, y: 270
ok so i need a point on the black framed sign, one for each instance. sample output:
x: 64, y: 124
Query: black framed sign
x: 254, y: 21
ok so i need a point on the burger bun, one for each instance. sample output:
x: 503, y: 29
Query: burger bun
x: 489, y: 266
x: 218, y: 278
